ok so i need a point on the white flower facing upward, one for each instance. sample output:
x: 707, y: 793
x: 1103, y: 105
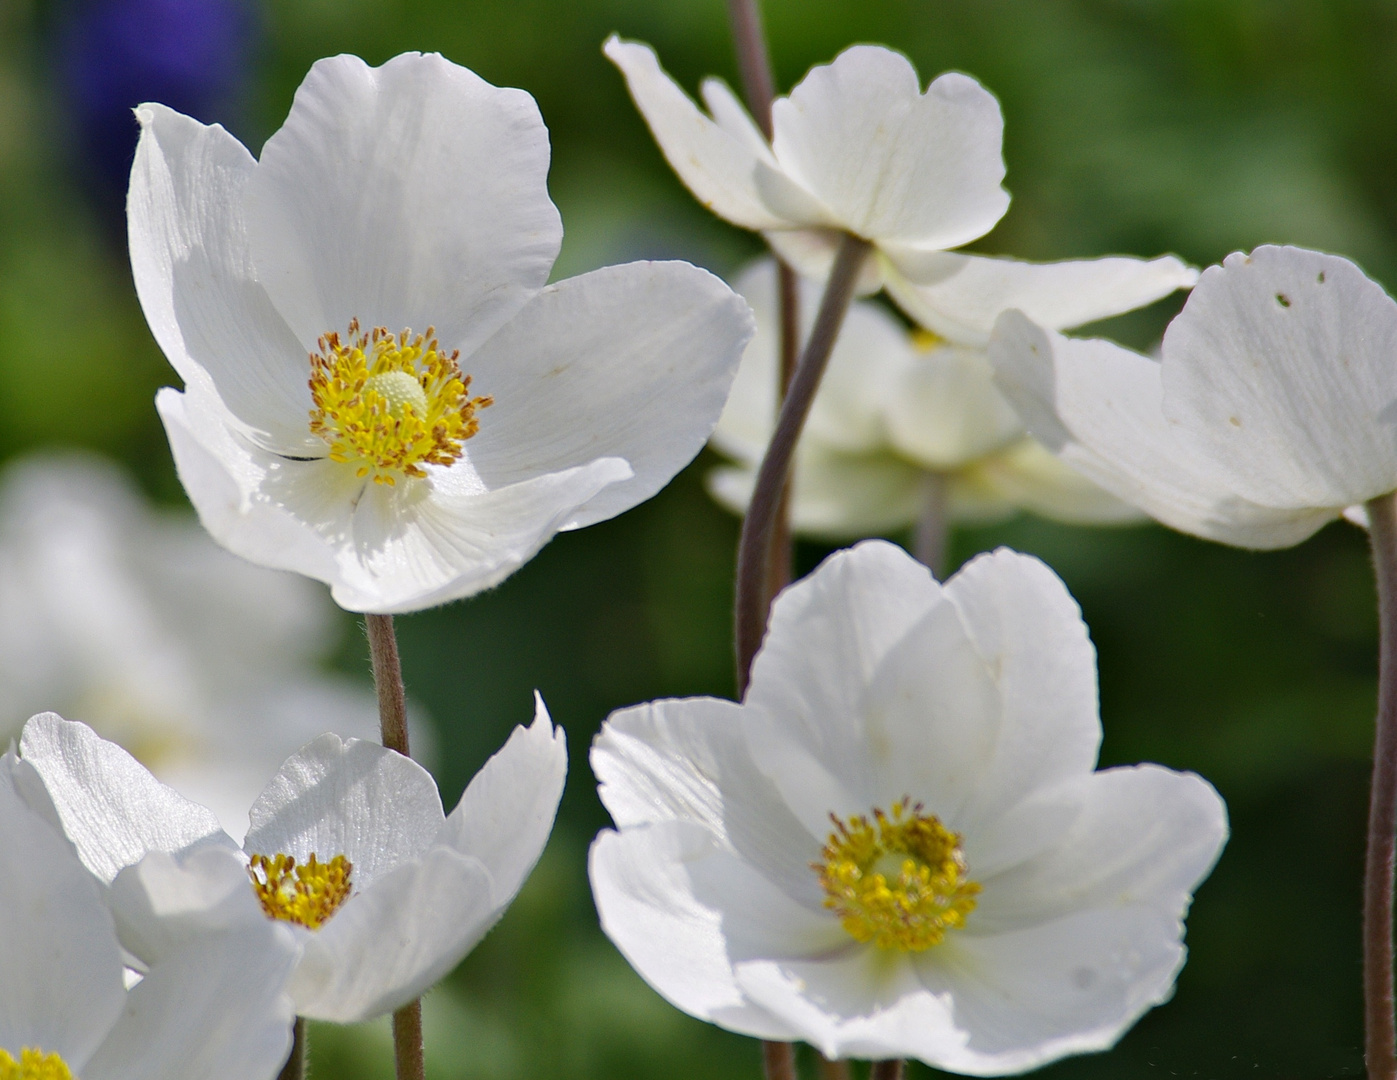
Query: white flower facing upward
x: 380, y: 390
x: 896, y: 846
x: 349, y: 849
x: 1272, y: 410
x: 899, y: 412
x: 213, y: 1007
x: 135, y: 622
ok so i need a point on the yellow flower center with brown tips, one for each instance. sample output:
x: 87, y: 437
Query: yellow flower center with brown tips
x: 306, y: 894
x: 33, y: 1065
x: 391, y: 403
x: 897, y: 880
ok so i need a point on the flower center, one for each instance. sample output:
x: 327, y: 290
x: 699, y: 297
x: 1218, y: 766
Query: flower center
x: 33, y: 1065
x: 306, y: 895
x: 925, y: 340
x: 897, y: 880
x: 389, y: 404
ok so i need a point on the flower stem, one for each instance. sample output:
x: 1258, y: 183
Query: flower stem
x: 407, y: 1042
x: 778, y: 1061
x: 778, y: 571
x: 753, y: 61
x: 1380, y: 1037
x: 295, y: 1067
x: 392, y: 722
x: 833, y: 1070
x: 758, y: 527
x: 388, y: 681
x: 933, y: 526
x: 886, y: 1070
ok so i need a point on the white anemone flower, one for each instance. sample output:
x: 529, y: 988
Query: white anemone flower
x: 349, y: 849
x: 136, y: 623
x: 380, y: 390
x: 896, y: 846
x: 902, y: 419
x: 1270, y: 413
x: 213, y: 1008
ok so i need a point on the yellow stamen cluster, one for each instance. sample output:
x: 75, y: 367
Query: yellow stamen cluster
x: 33, y: 1065
x: 925, y: 340
x: 307, y: 894
x: 390, y: 404
x: 898, y: 880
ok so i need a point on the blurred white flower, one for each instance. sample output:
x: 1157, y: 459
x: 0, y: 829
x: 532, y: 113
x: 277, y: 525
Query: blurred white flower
x: 897, y: 845
x: 380, y: 390
x: 1271, y: 412
x: 349, y: 847
x: 213, y: 1008
x: 135, y: 622
x: 903, y: 418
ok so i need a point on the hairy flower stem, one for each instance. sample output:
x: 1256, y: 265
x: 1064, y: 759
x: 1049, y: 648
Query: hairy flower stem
x: 778, y: 1061
x: 933, y: 526
x: 392, y: 722
x: 1380, y: 1050
x: 834, y: 1070
x: 295, y: 1067
x: 886, y: 1070
x: 758, y: 527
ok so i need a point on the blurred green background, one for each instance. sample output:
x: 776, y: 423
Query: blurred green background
x: 1133, y: 126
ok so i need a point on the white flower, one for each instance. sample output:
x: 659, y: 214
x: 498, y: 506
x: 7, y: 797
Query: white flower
x: 385, y: 893
x: 429, y: 458
x: 1273, y: 409
x: 136, y: 623
x: 896, y: 846
x: 212, y: 1008
x: 896, y: 410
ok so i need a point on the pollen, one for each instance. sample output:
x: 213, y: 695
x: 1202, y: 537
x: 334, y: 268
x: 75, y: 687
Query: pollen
x: 389, y: 404
x: 33, y: 1065
x: 896, y: 879
x: 924, y: 340
x: 306, y: 894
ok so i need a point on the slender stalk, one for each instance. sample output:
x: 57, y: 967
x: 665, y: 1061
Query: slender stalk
x: 295, y: 1067
x: 407, y: 1042
x: 392, y: 721
x: 933, y: 526
x: 778, y: 1061
x: 758, y: 526
x: 886, y: 1070
x: 1380, y: 1037
x: 753, y: 61
x: 778, y: 573
x: 388, y: 681
x: 833, y: 1070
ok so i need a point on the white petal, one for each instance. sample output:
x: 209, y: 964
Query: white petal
x: 633, y: 362
x: 943, y: 409
x: 721, y: 166
x: 891, y: 163
x: 409, y: 195
x: 506, y: 813
x: 112, y: 809
x: 960, y: 296
x: 214, y: 1011
x: 60, y: 966
x: 643, y: 885
x: 391, y: 942
x: 811, y: 253
x: 1026, y: 476
x: 1028, y: 630
x: 858, y: 1003
x: 370, y: 804
x: 688, y: 760
x: 728, y: 113
x: 195, y: 280
x: 1279, y: 369
x: 1099, y: 407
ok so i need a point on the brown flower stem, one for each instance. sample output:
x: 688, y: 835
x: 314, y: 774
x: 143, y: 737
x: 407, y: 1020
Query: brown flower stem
x: 933, y: 526
x: 392, y: 722
x: 753, y: 61
x: 886, y: 1070
x: 295, y: 1067
x: 833, y: 1070
x: 1380, y: 1048
x: 778, y: 1061
x: 778, y: 574
x: 759, y: 526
